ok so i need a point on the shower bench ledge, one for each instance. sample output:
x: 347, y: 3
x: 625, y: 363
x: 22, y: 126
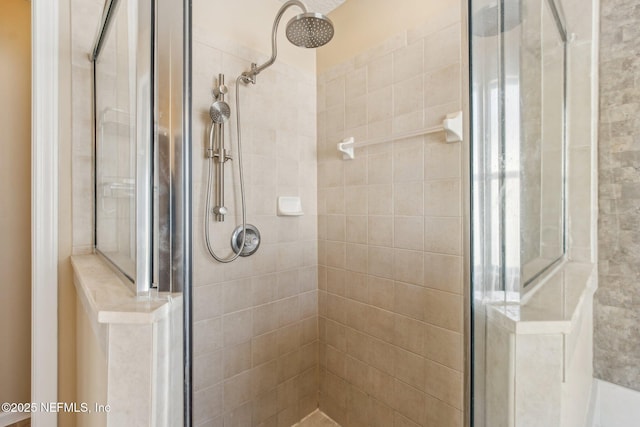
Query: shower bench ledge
x: 554, y: 307
x: 108, y: 300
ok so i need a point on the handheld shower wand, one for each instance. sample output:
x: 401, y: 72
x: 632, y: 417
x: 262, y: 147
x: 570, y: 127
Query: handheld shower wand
x: 219, y: 113
x: 216, y: 152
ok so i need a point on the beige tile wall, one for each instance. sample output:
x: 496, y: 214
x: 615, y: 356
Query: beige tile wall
x: 256, y: 329
x: 390, y: 235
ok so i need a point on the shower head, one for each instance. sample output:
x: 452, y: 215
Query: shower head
x: 310, y: 30
x: 219, y: 112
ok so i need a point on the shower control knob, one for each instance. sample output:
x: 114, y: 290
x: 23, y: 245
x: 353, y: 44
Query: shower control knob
x: 220, y: 210
x: 245, y: 240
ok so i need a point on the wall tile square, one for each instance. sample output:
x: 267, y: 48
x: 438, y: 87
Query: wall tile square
x: 408, y: 61
x: 445, y: 45
x: 408, y: 266
x: 410, y: 368
x: 443, y: 272
x: 380, y: 198
x: 379, y: 73
x: 443, y: 309
x: 410, y: 300
x: 409, y: 334
x: 335, y: 92
x: 237, y: 359
x: 379, y: 169
x: 355, y: 171
x: 442, y: 86
x: 356, y: 200
x: 408, y: 232
x: 410, y: 402
x: 407, y: 96
x: 442, y: 161
x: 443, y: 198
x: 380, y: 262
x: 444, y: 383
x: 381, y: 292
x: 378, y: 108
x: 443, y: 235
x: 264, y: 348
x: 356, y: 113
x: 357, y: 229
x: 408, y: 198
x: 407, y: 160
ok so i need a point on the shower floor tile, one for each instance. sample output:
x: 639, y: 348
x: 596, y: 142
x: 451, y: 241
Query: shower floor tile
x: 317, y: 419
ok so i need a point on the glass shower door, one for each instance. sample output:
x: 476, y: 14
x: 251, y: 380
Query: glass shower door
x: 518, y: 51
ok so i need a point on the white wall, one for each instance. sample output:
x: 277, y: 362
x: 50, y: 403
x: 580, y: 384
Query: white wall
x: 15, y: 204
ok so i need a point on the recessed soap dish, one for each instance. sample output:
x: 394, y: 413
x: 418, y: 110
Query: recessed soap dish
x: 289, y: 206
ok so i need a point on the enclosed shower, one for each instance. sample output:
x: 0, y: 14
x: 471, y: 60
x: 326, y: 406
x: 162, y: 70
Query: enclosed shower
x: 390, y: 227
x: 341, y: 298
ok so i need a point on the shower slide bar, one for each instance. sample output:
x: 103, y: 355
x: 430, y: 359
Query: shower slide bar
x: 452, y: 126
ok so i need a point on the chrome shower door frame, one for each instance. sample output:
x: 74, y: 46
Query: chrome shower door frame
x: 173, y: 217
x: 173, y: 146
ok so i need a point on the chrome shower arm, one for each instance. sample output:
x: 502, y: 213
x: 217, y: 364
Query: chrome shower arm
x: 249, y: 76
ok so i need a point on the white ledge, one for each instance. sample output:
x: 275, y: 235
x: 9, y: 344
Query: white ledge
x: 107, y: 300
x: 556, y: 305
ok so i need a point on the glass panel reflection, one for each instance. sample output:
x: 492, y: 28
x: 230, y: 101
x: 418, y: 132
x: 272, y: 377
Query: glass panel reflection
x: 115, y: 86
x: 542, y: 143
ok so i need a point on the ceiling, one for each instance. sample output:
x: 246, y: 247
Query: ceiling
x: 322, y: 6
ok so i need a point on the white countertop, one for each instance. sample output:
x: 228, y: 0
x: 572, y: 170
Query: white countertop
x: 108, y: 300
